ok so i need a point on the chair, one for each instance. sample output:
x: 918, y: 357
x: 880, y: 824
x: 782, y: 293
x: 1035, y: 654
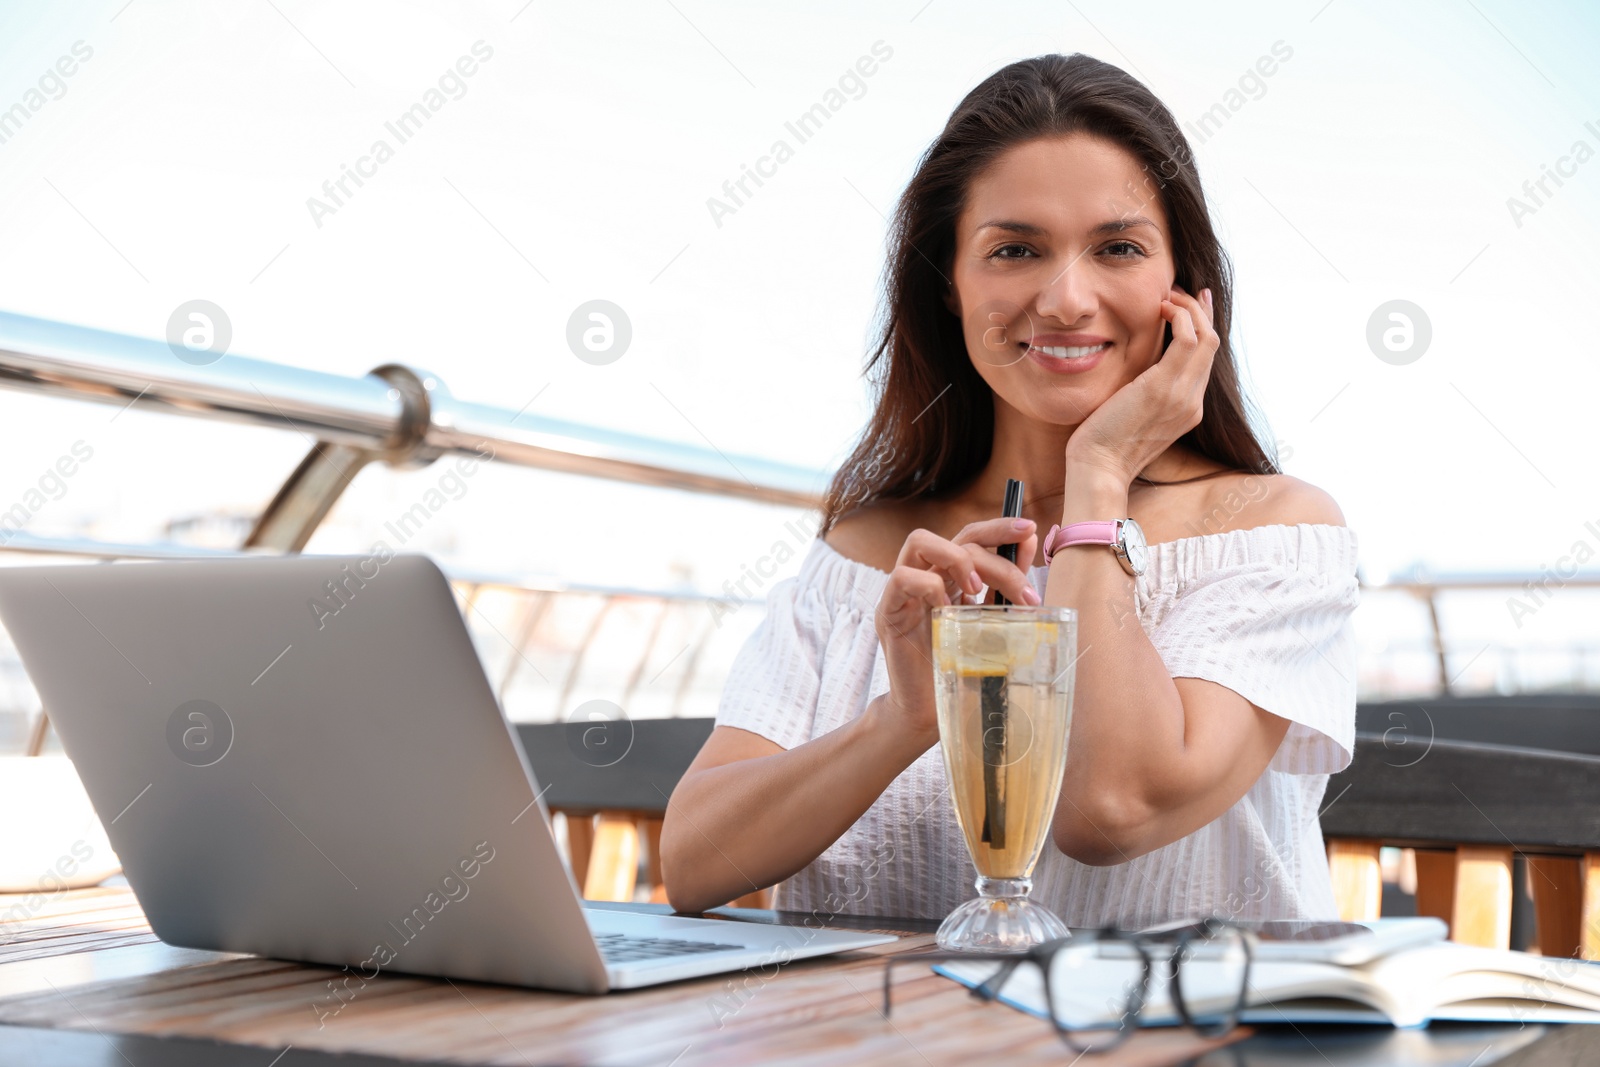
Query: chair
x: 610, y: 782
x: 1470, y: 783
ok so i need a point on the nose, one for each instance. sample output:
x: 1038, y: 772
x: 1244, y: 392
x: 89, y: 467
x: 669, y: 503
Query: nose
x: 1068, y: 296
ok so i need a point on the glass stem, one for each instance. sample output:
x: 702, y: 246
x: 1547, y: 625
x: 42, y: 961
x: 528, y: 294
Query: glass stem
x: 1004, y: 887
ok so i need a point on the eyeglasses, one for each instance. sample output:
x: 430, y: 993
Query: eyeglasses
x: 1097, y: 983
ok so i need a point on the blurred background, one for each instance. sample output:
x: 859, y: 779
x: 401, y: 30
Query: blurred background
x: 1424, y: 172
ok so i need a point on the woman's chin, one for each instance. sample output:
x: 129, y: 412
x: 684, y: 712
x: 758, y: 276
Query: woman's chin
x: 1058, y: 411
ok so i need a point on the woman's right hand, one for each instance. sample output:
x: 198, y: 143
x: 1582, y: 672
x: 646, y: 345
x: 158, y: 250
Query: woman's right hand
x: 932, y: 572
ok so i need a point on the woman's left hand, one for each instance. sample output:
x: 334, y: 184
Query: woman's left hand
x: 1142, y: 419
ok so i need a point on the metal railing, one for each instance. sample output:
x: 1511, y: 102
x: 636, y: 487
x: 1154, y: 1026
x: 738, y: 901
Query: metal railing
x: 400, y: 415
x: 406, y: 418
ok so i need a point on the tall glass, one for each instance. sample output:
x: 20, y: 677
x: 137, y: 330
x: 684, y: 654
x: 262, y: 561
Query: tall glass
x: 1003, y: 679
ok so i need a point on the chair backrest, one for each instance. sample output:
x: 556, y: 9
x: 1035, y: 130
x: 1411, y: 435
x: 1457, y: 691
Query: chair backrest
x: 622, y: 765
x: 1555, y: 722
x: 1443, y: 791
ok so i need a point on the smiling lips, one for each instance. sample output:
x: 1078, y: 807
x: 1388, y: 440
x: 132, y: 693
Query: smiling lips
x: 1074, y: 352
x: 1071, y: 351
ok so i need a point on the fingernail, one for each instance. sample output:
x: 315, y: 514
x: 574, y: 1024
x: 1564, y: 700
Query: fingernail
x: 1021, y: 524
x: 1030, y: 595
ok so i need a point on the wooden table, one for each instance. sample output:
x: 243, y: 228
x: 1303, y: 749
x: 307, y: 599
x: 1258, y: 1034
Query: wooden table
x: 86, y: 961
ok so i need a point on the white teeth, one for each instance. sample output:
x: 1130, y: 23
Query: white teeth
x: 1060, y: 352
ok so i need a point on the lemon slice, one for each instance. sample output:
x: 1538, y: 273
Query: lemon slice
x: 991, y: 647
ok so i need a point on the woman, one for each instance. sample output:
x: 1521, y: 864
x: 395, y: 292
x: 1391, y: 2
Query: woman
x: 1058, y: 312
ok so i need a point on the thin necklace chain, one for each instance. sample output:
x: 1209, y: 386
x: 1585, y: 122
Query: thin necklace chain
x: 1146, y: 481
x: 1180, y: 481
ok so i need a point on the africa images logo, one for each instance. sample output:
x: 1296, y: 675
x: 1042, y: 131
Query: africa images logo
x: 199, y: 733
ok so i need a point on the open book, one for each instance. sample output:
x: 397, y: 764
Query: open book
x: 1407, y: 987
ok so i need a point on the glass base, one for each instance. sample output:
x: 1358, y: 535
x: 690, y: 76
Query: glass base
x: 1001, y: 919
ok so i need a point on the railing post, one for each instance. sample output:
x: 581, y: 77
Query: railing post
x: 305, y: 499
x: 1438, y: 640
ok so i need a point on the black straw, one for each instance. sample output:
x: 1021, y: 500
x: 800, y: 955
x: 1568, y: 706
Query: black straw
x: 992, y: 710
x: 1011, y: 510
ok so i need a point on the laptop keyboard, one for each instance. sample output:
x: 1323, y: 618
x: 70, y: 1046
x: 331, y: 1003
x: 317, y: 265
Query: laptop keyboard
x: 628, y: 948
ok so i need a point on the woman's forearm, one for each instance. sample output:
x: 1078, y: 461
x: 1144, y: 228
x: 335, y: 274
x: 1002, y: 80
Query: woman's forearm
x: 745, y: 825
x: 1127, y: 734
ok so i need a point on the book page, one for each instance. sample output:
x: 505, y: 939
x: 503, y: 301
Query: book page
x: 1443, y: 981
x: 1432, y: 977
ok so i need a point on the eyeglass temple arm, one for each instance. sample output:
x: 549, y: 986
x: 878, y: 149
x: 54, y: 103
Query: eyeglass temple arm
x: 888, y: 969
x: 988, y: 989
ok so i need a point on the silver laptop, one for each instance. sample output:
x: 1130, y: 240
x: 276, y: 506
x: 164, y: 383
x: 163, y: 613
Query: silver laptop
x: 300, y: 757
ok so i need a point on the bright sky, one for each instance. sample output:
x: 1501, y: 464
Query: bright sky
x: 575, y: 162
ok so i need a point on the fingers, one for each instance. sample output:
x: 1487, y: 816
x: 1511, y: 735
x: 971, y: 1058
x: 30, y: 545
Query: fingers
x: 967, y: 567
x: 1199, y: 312
x: 997, y: 572
x: 927, y: 551
x: 992, y: 533
x: 910, y: 593
x: 1192, y: 332
x: 1202, y: 306
x: 1002, y: 531
x: 1183, y: 331
x: 1027, y: 548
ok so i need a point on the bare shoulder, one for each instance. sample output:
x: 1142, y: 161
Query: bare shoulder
x: 875, y: 533
x: 1239, y: 500
x: 1282, y: 499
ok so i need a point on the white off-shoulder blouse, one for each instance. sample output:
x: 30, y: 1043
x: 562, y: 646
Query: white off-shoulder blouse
x: 1264, y: 611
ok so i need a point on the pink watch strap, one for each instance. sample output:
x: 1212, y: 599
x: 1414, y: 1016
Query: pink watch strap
x: 1093, y: 532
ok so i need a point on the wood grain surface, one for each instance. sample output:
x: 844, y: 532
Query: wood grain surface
x: 86, y: 960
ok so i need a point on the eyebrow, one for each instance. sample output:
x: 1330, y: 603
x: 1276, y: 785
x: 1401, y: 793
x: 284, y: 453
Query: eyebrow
x: 1028, y: 229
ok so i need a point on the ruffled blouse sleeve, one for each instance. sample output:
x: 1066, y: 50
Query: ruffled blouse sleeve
x: 774, y: 683
x: 1267, y: 613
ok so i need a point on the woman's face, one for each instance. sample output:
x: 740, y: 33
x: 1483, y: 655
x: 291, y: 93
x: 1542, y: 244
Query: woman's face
x: 1062, y: 260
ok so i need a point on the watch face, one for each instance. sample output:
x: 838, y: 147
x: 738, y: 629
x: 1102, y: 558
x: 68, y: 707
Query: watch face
x: 1134, y: 544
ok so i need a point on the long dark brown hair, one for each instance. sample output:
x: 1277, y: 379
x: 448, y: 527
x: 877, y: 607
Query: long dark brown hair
x: 933, y: 427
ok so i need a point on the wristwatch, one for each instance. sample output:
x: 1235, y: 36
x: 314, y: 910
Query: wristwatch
x: 1123, y: 535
